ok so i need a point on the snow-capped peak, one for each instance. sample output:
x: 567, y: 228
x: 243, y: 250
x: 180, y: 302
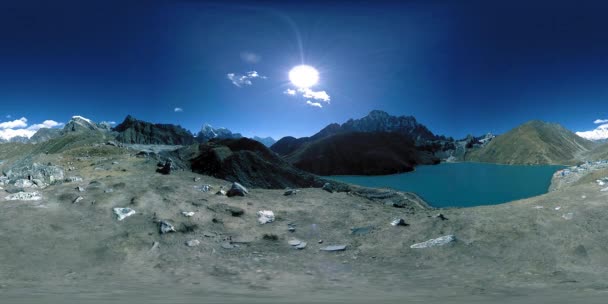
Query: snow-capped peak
x: 78, y: 117
x: 600, y: 133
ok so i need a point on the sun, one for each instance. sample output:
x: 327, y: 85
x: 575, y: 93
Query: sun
x: 304, y: 76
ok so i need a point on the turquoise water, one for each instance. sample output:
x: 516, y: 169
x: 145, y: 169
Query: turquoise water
x: 465, y: 184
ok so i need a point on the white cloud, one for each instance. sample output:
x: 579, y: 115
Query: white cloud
x: 314, y: 104
x: 19, y: 127
x: 19, y: 123
x: 320, y: 95
x: 178, y: 110
x: 599, y: 133
x: 291, y: 92
x: 600, y: 121
x: 250, y: 57
x: 240, y: 80
x: 46, y: 124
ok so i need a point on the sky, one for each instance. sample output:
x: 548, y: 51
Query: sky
x: 460, y: 67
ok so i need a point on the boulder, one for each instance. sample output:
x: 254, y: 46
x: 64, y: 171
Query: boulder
x: 188, y: 213
x: 24, y: 183
x: 399, y: 222
x: 237, y: 190
x: 166, y: 227
x: 47, y: 173
x: 265, y: 216
x: 328, y: 187
x: 166, y: 168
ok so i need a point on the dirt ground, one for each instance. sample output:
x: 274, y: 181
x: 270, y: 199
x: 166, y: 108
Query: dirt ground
x: 550, y: 248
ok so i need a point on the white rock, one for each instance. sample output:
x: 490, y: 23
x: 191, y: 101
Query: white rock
x: 294, y: 242
x: 557, y: 208
x: 187, y: 213
x: 605, y: 189
x: 265, y: 216
x: 123, y: 213
x: 539, y: 207
x: 568, y: 216
x: 600, y: 182
x: 440, y: 241
x: 24, y: 196
x: 193, y: 243
x: 166, y: 227
x: 24, y: 183
x: 78, y: 199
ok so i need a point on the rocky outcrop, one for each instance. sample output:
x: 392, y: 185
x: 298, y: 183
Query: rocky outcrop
x: 44, y: 134
x: 208, y: 133
x: 47, y: 173
x: 80, y: 124
x: 133, y: 131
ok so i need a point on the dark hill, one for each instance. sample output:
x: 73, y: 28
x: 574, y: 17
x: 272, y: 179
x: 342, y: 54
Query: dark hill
x: 133, y: 131
x: 360, y: 153
x: 251, y: 164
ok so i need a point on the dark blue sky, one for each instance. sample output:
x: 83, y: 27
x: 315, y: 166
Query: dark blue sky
x: 458, y: 66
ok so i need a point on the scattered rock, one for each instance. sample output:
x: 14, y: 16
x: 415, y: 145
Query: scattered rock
x: 166, y: 227
x: 166, y: 168
x: 399, y: 222
x: 441, y: 217
x: 71, y: 179
x: 568, y: 216
x: 196, y: 179
x: 77, y: 200
x: 270, y: 237
x: 301, y: 246
x: 108, y: 190
x: 294, y: 242
x: 187, y: 228
x: 123, y: 213
x: 328, y: 187
x: 111, y: 143
x: 440, y: 241
x: 237, y: 190
x: 320, y: 242
x: 291, y: 228
x: 557, y: 208
x: 334, y: 248
x: 362, y: 230
x: 290, y: 192
x: 115, y: 163
x: 221, y: 192
x: 80, y: 189
x: 24, y: 196
x: 235, y: 211
x: 265, y: 216
x: 227, y: 245
x: 193, y: 243
x: 188, y: 213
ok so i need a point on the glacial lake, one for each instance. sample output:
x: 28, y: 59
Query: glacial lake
x: 465, y: 184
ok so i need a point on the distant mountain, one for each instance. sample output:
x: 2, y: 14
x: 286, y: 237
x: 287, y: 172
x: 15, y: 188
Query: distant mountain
x: 81, y: 124
x: 361, y: 153
x: 534, y: 143
x: 267, y: 141
x: 249, y: 163
x: 208, y: 133
x: 375, y: 121
x: 45, y: 134
x: 598, y: 134
x: 133, y: 131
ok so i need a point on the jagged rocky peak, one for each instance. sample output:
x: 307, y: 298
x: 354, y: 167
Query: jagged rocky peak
x: 134, y: 131
x: 380, y: 121
x: 208, y: 133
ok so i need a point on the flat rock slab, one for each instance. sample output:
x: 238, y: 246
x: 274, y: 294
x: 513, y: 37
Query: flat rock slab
x: 440, y: 241
x: 362, y: 230
x: 294, y: 242
x: 334, y: 248
x: 301, y: 246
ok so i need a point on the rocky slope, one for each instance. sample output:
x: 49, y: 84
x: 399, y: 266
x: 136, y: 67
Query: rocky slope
x: 266, y: 141
x: 133, y: 131
x: 360, y: 153
x: 534, y: 143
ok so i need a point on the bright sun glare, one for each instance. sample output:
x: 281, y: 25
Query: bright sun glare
x: 304, y: 76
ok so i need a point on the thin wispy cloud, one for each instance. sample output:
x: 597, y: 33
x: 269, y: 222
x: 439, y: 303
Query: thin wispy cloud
x: 250, y: 57
x: 291, y: 92
x: 241, y: 80
x: 314, y: 104
x: 177, y: 110
x: 600, y: 121
x: 20, y: 128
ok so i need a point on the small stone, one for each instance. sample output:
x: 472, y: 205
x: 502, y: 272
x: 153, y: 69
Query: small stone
x: 290, y: 192
x: 441, y: 217
x: 301, y: 246
x: 294, y: 242
x: 78, y: 199
x: 333, y: 248
x: 265, y: 216
x: 196, y: 179
x: 80, y: 189
x: 123, y: 213
x: 320, y: 241
x: 188, y: 213
x: 193, y: 243
x: 114, y: 163
x: 221, y: 192
x: 270, y: 237
x: 227, y: 245
x: 399, y: 222
x: 235, y: 211
x: 291, y: 228
x: 568, y: 216
x: 440, y: 241
x: 109, y: 190
x: 166, y: 227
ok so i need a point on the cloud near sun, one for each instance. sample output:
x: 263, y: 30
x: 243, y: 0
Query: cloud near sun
x: 310, y: 94
x: 19, y: 127
x: 241, y: 80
